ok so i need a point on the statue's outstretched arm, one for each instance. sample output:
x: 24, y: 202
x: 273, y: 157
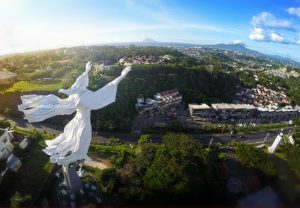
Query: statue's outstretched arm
x: 105, y: 95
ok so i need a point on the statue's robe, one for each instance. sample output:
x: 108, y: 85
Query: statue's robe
x: 74, y: 142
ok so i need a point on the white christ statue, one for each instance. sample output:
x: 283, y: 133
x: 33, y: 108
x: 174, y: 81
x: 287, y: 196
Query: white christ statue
x: 73, y: 144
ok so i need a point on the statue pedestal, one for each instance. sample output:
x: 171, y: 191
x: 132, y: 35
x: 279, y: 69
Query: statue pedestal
x: 71, y: 178
x: 73, y: 191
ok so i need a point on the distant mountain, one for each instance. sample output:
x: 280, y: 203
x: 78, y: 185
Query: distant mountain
x: 239, y: 47
x: 286, y: 60
x: 243, y: 49
x: 149, y: 40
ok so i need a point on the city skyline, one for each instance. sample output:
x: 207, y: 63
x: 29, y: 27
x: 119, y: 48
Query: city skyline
x: 35, y: 25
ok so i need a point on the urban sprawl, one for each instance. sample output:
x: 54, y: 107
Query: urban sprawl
x: 163, y: 102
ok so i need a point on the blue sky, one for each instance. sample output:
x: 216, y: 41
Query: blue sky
x: 263, y: 25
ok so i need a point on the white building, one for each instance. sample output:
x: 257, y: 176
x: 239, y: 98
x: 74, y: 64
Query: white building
x: 234, y: 112
x: 6, y: 147
x: 160, y: 102
x: 200, y: 112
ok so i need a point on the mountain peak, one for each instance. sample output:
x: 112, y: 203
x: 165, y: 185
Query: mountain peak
x: 240, y: 44
x: 149, y: 40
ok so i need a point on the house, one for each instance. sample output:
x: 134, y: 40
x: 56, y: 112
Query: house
x: 168, y: 97
x: 147, y: 105
x: 7, y: 77
x: 160, y: 102
x: 6, y: 147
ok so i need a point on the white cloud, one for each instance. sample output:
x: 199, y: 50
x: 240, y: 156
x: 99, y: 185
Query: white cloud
x: 276, y: 37
x: 266, y: 26
x: 257, y: 34
x: 294, y: 11
x: 238, y: 42
x: 260, y: 34
x: 268, y: 20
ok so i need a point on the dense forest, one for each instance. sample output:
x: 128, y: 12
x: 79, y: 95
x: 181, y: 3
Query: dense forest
x: 196, y: 84
x: 181, y: 171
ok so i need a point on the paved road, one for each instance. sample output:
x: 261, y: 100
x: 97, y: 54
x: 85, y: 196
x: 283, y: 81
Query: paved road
x: 253, y: 138
x: 132, y: 138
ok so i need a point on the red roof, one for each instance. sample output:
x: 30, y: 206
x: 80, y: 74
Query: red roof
x: 168, y: 92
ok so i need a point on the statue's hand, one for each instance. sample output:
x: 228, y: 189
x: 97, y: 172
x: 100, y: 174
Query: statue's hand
x: 88, y: 66
x: 63, y: 91
x: 126, y: 70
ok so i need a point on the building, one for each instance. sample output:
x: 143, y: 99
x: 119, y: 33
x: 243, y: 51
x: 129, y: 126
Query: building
x: 241, y: 113
x: 160, y: 102
x: 147, y: 105
x: 201, y: 112
x: 7, y: 77
x: 168, y: 98
x: 6, y: 147
x: 275, y: 114
x: 232, y: 112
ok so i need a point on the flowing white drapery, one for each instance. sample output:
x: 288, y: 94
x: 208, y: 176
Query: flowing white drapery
x: 74, y: 142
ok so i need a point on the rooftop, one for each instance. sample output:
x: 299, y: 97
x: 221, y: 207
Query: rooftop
x: 218, y: 106
x: 168, y: 92
x: 199, y: 107
x: 6, y: 74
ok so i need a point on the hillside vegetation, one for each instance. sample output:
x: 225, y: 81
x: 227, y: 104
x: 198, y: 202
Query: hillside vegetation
x: 199, y: 81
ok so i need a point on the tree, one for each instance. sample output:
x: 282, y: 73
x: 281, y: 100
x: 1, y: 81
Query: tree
x: 292, y: 155
x: 253, y: 157
x: 177, y: 167
x: 144, y: 139
x: 107, y: 180
x: 145, y: 157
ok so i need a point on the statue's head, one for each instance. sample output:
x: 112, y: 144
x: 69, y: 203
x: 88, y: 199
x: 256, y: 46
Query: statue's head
x: 81, y: 83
